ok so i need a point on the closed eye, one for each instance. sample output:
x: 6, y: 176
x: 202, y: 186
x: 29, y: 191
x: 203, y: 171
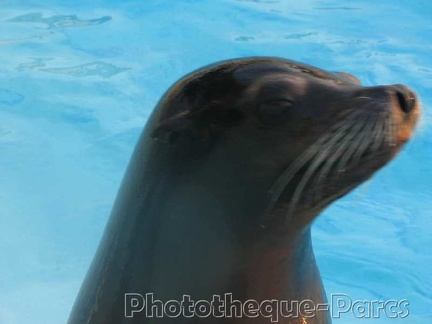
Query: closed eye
x: 275, y: 108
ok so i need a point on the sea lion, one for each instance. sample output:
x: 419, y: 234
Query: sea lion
x: 234, y: 164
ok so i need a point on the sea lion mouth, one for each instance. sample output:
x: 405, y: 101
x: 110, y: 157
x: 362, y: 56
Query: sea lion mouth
x: 362, y: 140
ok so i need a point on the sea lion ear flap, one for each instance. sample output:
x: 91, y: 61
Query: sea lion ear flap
x: 348, y: 77
x: 178, y: 128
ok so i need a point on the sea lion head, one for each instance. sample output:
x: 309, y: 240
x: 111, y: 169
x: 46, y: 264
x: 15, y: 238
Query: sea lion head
x: 301, y: 135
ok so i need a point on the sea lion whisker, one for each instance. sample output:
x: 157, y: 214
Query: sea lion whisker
x: 388, y: 130
x: 343, y: 148
x: 379, y: 134
x: 325, y: 171
x: 355, y: 129
x: 314, y: 166
x: 341, y: 122
x: 363, y: 142
x: 353, y: 148
x: 284, y: 179
x: 366, y: 140
x: 345, y: 112
x: 392, y: 130
x: 299, y: 162
x: 280, y: 184
x: 326, y: 150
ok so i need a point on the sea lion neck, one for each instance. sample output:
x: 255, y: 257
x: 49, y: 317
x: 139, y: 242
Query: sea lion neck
x: 259, y: 262
x: 283, y: 267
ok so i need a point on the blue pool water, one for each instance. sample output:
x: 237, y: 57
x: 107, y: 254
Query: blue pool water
x: 78, y: 80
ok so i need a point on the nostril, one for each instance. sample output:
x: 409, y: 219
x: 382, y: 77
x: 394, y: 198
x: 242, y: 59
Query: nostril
x: 406, y: 100
x: 402, y: 102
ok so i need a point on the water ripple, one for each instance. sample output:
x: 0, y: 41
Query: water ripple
x: 59, y: 21
x: 7, y: 136
x: 300, y: 36
x: 34, y: 64
x: 260, y: 1
x: 10, y: 98
x: 377, y: 275
x: 337, y: 8
x: 20, y: 40
x: 102, y: 69
x: 244, y: 38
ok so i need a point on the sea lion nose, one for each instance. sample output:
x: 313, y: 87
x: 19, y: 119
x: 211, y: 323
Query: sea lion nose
x: 406, y: 97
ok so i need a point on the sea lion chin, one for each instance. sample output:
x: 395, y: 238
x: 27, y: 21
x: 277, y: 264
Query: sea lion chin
x: 233, y: 166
